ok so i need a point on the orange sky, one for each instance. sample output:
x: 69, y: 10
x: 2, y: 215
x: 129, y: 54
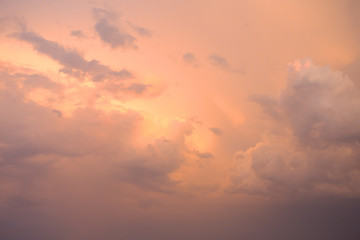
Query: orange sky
x: 178, y: 119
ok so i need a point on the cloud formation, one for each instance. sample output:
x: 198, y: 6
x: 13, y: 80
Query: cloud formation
x: 78, y: 34
x: 190, y: 59
x: 75, y: 65
x: 144, y: 32
x: 71, y: 59
x: 110, y: 32
x: 216, y: 131
x: 36, y: 141
x: 219, y: 61
x: 313, y: 145
x: 222, y: 63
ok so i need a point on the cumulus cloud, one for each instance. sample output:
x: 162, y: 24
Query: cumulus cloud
x: 110, y: 32
x: 313, y: 143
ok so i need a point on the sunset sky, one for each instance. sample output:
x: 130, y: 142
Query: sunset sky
x: 169, y: 119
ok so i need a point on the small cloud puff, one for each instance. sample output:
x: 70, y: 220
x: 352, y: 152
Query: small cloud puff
x: 216, y: 131
x: 190, y: 59
x: 78, y: 34
x: 222, y: 63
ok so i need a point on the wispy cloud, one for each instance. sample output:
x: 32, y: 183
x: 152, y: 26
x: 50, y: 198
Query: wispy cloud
x: 216, y: 131
x: 190, y: 59
x: 78, y: 34
x: 222, y: 63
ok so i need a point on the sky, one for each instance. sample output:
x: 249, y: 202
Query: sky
x: 230, y: 119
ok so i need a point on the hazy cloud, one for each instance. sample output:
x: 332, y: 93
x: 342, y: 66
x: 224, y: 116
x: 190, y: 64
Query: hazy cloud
x: 222, y: 63
x: 78, y: 34
x: 204, y: 154
x: 216, y: 131
x: 35, y: 80
x: 190, y: 59
x: 141, y: 30
x: 137, y: 88
x: 58, y: 113
x: 219, y: 61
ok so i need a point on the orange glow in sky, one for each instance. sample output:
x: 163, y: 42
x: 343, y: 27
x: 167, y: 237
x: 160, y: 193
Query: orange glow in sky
x: 171, y: 119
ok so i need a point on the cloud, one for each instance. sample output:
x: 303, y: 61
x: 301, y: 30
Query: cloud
x: 312, y: 146
x: 109, y: 32
x: 137, y: 88
x: 58, y: 113
x: 67, y: 58
x: 32, y: 81
x: 78, y: 34
x: 204, y: 154
x: 189, y: 58
x: 267, y: 104
x: 75, y: 65
x: 9, y: 23
x: 222, y: 63
x: 41, y: 146
x: 219, y: 61
x: 216, y: 131
x: 71, y: 59
x: 141, y: 30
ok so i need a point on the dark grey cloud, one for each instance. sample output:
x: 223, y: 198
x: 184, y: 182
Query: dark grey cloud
x: 216, y: 131
x: 110, y: 32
